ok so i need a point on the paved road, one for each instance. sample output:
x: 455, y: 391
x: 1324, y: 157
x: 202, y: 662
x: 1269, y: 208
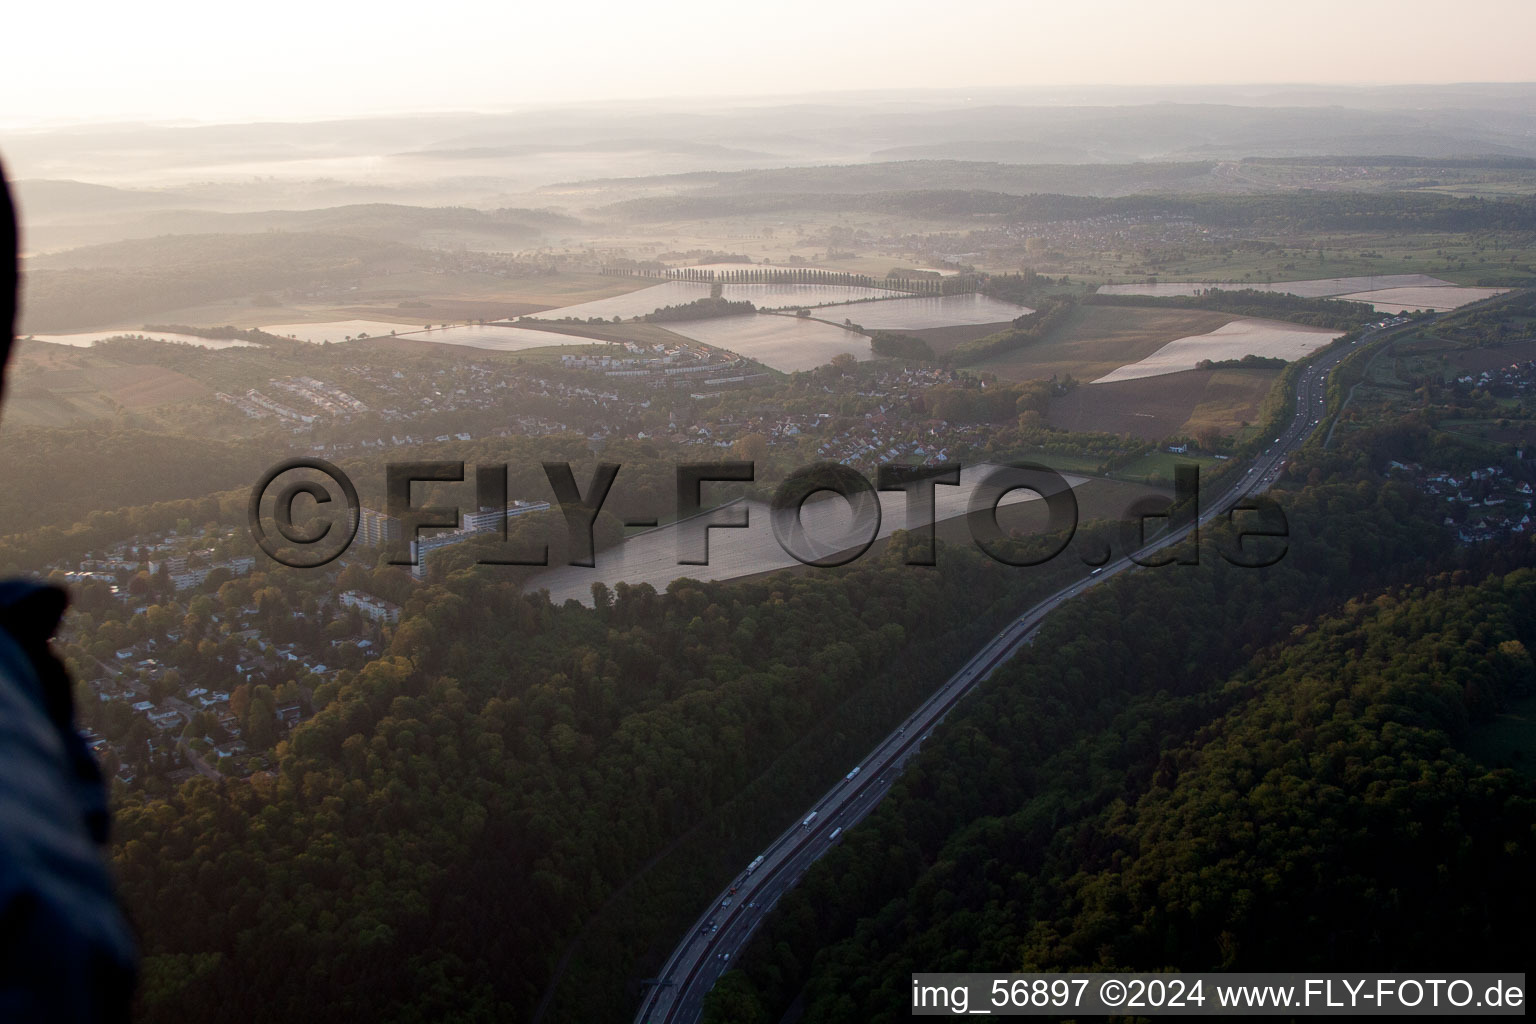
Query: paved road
x: 716, y: 937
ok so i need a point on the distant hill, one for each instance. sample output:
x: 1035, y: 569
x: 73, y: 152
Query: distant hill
x: 389, y: 222
x: 45, y: 199
x: 1328, y: 211
x: 74, y: 213
x: 1010, y: 178
x: 142, y: 277
x: 187, y: 252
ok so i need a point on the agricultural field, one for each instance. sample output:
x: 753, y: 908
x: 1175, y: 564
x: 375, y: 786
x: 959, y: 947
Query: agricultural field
x: 1234, y: 340
x: 339, y: 330
x: 791, y: 344
x: 1476, y: 360
x: 447, y: 298
x: 551, y: 353
x: 52, y: 389
x: 639, y: 333
x: 1170, y: 405
x: 1441, y: 299
x: 1158, y: 467
x: 417, y: 299
x: 410, y: 297
x: 493, y: 338
x: 928, y: 311
x: 1317, y: 288
x: 676, y: 293
x: 1097, y: 340
x: 1389, y: 293
x: 785, y: 343
x: 942, y: 340
x: 1454, y: 258
x: 87, y: 339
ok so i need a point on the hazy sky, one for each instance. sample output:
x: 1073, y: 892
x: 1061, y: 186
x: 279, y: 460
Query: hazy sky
x: 312, y: 58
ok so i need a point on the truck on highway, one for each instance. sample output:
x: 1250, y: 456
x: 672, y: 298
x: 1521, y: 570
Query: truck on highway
x: 835, y: 833
x: 806, y: 824
x: 851, y: 774
x: 754, y: 866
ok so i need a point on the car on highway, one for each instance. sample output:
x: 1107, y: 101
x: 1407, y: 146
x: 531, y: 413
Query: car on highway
x: 725, y: 902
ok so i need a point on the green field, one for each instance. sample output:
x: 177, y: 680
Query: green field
x: 1068, y: 463
x: 1158, y: 467
x: 1097, y: 339
x: 1509, y: 740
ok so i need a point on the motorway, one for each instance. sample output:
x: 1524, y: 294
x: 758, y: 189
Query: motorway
x: 714, y: 939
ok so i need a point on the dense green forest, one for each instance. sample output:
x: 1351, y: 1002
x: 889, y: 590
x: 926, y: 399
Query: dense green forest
x: 895, y: 345
x: 700, y: 309
x: 507, y: 770
x: 436, y: 834
x: 76, y: 474
x: 1203, y: 770
x: 1248, y: 362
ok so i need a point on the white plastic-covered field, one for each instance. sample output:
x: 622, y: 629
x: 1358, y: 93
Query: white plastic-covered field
x: 1239, y: 338
x: 87, y: 340
x: 500, y: 339
x: 785, y: 343
x: 1400, y: 300
x: 918, y: 312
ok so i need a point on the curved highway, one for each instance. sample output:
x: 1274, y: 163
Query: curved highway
x: 676, y: 996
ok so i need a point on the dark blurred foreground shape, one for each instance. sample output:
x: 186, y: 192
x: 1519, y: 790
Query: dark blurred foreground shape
x: 66, y: 953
